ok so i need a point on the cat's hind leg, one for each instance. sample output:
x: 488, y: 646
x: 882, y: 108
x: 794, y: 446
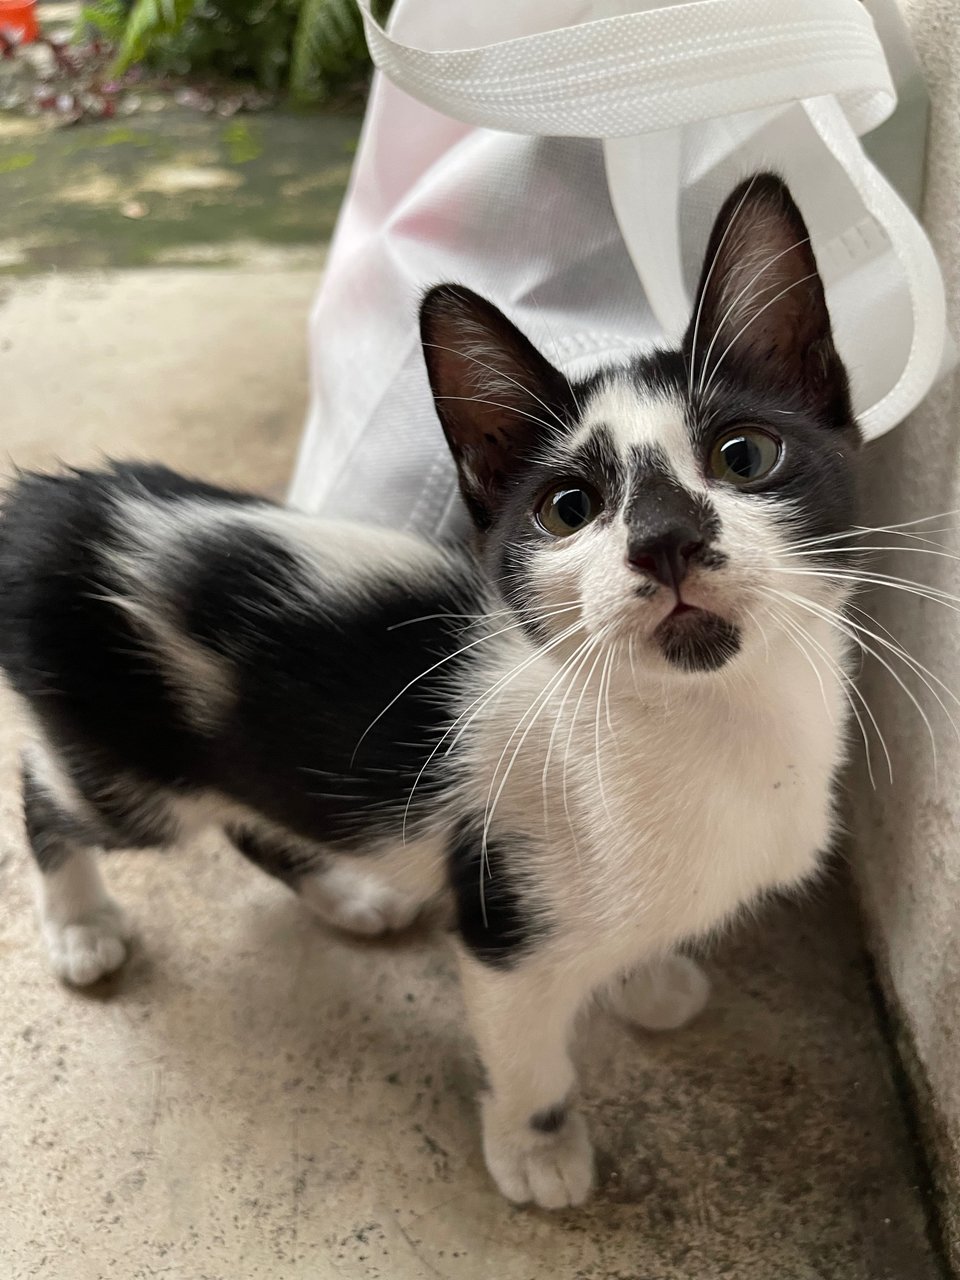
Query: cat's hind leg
x: 663, y: 995
x: 368, y: 894
x: 85, y: 932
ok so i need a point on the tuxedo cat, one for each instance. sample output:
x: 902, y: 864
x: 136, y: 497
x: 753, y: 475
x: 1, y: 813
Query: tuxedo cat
x: 596, y: 735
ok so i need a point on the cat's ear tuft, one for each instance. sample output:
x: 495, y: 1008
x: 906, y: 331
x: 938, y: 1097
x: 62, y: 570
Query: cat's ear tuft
x: 496, y: 396
x: 761, y: 309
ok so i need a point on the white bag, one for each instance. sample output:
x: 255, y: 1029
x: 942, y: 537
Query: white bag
x: 566, y: 158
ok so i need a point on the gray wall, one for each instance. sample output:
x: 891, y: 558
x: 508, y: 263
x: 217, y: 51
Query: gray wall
x: 907, y: 855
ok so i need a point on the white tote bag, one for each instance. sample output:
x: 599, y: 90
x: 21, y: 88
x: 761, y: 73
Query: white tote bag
x: 566, y: 158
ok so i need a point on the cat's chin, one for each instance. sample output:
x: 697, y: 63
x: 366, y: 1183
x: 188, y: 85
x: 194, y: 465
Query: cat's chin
x: 695, y: 640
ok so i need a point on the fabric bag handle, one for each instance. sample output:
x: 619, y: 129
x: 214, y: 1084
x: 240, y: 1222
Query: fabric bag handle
x: 651, y: 70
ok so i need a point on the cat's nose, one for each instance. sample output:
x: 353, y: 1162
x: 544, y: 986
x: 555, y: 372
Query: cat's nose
x: 666, y: 556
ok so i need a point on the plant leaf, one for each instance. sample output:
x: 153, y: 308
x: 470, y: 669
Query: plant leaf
x: 108, y: 17
x: 329, y: 48
x: 148, y: 20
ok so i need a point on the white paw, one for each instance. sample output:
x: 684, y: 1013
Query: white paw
x: 81, y: 951
x: 553, y: 1170
x: 662, y: 996
x: 357, y: 903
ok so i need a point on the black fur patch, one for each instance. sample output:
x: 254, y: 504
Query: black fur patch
x: 697, y: 641
x: 657, y: 505
x: 283, y: 859
x: 596, y: 460
x: 334, y: 712
x: 816, y: 477
x: 551, y: 1120
x: 66, y: 647
x: 51, y: 829
x: 492, y: 918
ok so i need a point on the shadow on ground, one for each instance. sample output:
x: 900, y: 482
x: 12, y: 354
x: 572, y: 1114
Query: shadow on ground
x: 175, y: 188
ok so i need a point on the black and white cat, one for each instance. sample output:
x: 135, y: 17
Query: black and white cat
x: 597, y: 737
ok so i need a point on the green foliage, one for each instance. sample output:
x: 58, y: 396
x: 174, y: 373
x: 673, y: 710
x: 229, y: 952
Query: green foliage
x: 242, y: 142
x: 107, y: 17
x: 329, y: 49
x: 314, y: 48
x: 150, y: 20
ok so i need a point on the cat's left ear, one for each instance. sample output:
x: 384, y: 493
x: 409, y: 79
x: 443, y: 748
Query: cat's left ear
x: 761, y: 311
x: 496, y: 396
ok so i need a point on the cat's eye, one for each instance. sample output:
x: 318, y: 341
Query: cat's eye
x: 567, y: 508
x: 742, y: 456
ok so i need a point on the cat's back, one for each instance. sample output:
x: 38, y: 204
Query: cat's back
x: 161, y: 619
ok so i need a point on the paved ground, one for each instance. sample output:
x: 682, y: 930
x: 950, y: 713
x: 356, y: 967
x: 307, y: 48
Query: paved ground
x: 255, y: 1097
x: 171, y: 189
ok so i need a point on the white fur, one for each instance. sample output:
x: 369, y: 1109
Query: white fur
x: 382, y: 893
x: 651, y: 805
x: 662, y: 996
x: 85, y: 932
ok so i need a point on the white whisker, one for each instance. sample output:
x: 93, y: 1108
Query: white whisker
x: 701, y: 390
x: 499, y: 373
x: 706, y: 282
x: 852, y: 631
x: 811, y: 275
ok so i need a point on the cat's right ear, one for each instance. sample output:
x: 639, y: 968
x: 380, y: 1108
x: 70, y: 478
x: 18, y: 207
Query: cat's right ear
x: 496, y: 396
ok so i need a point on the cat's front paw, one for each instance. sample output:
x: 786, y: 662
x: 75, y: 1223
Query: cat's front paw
x: 84, y: 950
x: 662, y: 996
x: 552, y: 1169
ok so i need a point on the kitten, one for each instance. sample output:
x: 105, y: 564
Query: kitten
x: 597, y: 737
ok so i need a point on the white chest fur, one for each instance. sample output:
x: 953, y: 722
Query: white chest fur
x: 650, y: 814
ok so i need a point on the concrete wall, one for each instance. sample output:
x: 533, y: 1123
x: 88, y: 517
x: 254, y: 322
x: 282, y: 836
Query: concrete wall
x: 908, y: 833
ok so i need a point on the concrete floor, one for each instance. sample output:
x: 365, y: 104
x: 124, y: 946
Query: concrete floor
x: 255, y: 1097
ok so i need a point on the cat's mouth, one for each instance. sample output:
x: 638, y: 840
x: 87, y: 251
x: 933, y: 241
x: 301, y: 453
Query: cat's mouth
x: 694, y: 639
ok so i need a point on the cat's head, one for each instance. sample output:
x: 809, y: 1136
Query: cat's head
x: 660, y: 500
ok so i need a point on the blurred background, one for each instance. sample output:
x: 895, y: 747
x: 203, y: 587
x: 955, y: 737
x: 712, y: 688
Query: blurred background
x: 212, y: 140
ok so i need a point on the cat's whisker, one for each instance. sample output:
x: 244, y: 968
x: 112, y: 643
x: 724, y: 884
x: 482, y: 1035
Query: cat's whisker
x: 860, y: 530
x: 556, y: 357
x: 569, y: 676
x: 763, y: 634
x: 811, y: 275
x: 706, y: 285
x: 542, y: 698
x: 573, y: 723
x: 498, y: 375
x: 866, y: 550
x: 871, y: 580
x: 423, y: 674
x: 782, y: 622
x: 849, y: 688
x: 896, y: 647
x: 633, y: 670
x: 718, y: 328
x: 855, y: 632
x: 511, y: 409
x: 598, y: 746
x: 432, y: 617
x: 503, y: 681
x: 481, y: 703
x: 614, y: 655
x: 583, y: 658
